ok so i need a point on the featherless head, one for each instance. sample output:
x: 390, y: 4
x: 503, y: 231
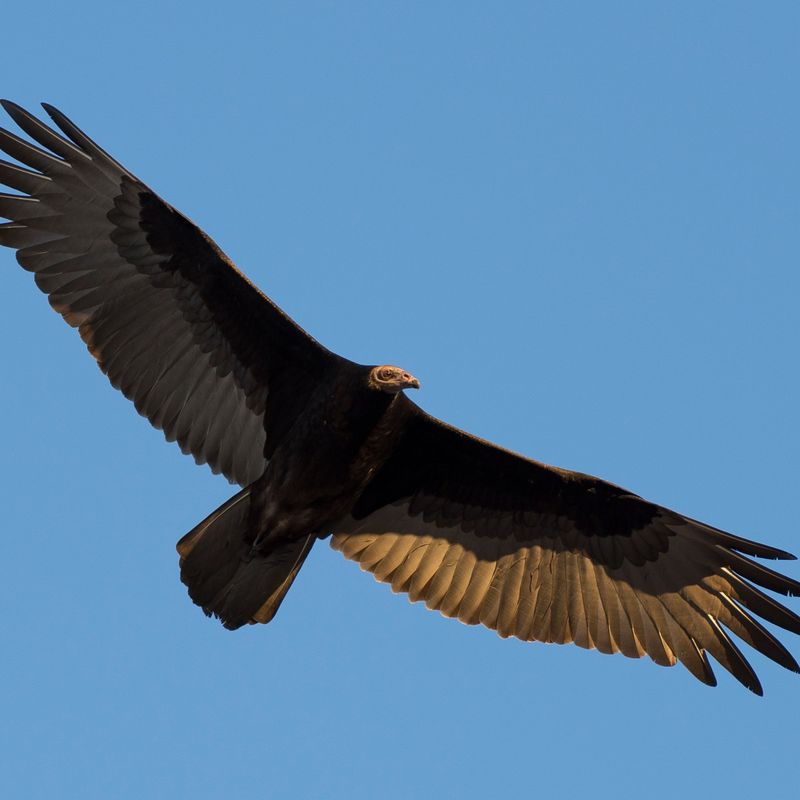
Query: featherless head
x: 387, y: 378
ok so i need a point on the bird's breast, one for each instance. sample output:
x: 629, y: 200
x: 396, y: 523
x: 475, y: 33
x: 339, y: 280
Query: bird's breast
x: 321, y: 466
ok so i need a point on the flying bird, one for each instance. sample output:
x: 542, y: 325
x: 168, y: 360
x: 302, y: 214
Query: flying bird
x: 322, y: 446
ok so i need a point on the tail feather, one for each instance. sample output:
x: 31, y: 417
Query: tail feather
x: 270, y: 608
x: 211, y: 552
x: 222, y: 576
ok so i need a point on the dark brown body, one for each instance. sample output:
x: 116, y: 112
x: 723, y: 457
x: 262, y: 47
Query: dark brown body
x: 319, y: 469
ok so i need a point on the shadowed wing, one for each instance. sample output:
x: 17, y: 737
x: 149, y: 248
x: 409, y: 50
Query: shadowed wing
x: 199, y: 350
x: 545, y: 554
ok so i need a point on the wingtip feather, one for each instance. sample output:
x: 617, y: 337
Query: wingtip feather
x: 59, y: 117
x: 12, y: 109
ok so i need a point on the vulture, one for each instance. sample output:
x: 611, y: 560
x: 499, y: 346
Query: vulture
x: 321, y: 446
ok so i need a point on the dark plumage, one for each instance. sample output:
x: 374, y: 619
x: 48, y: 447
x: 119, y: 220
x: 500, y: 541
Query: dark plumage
x: 324, y: 446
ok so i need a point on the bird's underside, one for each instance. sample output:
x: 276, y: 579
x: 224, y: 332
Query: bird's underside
x: 323, y: 446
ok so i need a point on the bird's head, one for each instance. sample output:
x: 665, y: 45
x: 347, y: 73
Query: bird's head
x: 392, y: 380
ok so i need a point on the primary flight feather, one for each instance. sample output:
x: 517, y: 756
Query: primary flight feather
x: 323, y: 446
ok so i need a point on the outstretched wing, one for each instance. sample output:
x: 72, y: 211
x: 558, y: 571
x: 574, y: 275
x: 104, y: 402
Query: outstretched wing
x: 545, y: 554
x: 176, y: 327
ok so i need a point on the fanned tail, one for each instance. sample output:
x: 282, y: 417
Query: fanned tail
x: 222, y: 577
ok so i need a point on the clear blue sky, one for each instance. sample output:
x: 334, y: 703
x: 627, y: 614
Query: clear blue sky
x: 575, y: 222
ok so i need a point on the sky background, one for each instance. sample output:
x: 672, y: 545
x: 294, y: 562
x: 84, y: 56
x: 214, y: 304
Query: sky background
x: 577, y: 223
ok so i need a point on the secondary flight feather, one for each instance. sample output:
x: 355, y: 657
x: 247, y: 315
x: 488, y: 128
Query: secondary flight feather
x: 322, y: 446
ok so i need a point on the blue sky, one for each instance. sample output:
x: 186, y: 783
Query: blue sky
x: 575, y: 222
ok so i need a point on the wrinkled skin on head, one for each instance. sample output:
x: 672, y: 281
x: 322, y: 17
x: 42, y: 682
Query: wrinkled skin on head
x: 392, y: 380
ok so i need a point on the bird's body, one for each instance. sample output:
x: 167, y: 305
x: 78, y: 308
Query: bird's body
x: 322, y: 446
x: 316, y: 473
